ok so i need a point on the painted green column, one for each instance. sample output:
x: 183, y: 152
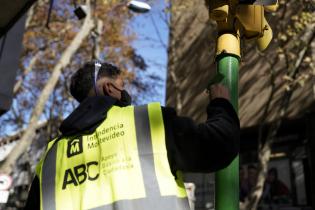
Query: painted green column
x: 227, y: 180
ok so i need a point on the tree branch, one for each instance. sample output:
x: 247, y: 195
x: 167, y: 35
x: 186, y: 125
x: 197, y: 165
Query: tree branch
x: 26, y: 139
x: 18, y: 84
x: 265, y: 151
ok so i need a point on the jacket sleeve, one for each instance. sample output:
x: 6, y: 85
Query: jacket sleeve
x: 33, y: 200
x: 204, y: 147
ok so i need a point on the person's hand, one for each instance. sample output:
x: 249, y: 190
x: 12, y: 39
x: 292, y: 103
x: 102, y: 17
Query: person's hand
x: 219, y: 91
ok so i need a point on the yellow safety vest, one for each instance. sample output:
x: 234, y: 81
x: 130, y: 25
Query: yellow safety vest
x: 123, y: 165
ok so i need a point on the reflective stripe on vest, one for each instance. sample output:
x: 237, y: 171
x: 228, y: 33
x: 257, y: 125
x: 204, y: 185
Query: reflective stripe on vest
x: 123, y: 165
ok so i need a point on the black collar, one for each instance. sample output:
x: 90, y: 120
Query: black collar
x: 88, y: 115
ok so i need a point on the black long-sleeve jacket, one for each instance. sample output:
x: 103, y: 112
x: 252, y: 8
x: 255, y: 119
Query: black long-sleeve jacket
x: 191, y: 147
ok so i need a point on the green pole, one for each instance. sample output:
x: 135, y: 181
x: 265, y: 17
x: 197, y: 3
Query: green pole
x: 227, y: 180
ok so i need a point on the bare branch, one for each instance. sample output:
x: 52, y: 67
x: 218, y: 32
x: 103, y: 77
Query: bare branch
x: 265, y: 150
x: 157, y: 32
x: 18, y: 84
x: 96, y: 36
x: 26, y: 139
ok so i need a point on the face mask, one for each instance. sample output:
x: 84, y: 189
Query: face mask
x: 125, y: 98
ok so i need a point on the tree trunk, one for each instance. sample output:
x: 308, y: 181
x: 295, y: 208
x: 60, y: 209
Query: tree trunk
x: 7, y: 166
x: 264, y: 150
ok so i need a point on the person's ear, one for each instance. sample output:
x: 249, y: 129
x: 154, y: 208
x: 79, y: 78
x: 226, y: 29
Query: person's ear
x: 107, y: 89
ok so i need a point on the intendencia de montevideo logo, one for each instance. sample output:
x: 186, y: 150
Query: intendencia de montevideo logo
x: 74, y: 146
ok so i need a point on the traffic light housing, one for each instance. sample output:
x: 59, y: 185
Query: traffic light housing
x: 248, y: 21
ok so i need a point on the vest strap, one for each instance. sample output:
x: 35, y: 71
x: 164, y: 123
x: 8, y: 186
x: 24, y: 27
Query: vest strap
x: 144, y: 143
x: 48, y: 180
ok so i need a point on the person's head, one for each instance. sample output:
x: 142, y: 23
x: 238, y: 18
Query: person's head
x: 108, y: 79
x: 272, y: 175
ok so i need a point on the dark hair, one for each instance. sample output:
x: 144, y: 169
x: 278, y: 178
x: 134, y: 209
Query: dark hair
x: 82, y: 79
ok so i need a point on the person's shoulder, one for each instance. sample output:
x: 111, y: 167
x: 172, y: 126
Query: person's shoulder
x: 166, y: 110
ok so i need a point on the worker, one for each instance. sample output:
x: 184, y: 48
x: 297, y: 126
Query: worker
x: 112, y: 155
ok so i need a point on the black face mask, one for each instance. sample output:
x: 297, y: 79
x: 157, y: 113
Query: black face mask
x: 125, y: 99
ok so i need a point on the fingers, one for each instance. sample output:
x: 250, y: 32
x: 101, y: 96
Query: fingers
x: 219, y: 91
